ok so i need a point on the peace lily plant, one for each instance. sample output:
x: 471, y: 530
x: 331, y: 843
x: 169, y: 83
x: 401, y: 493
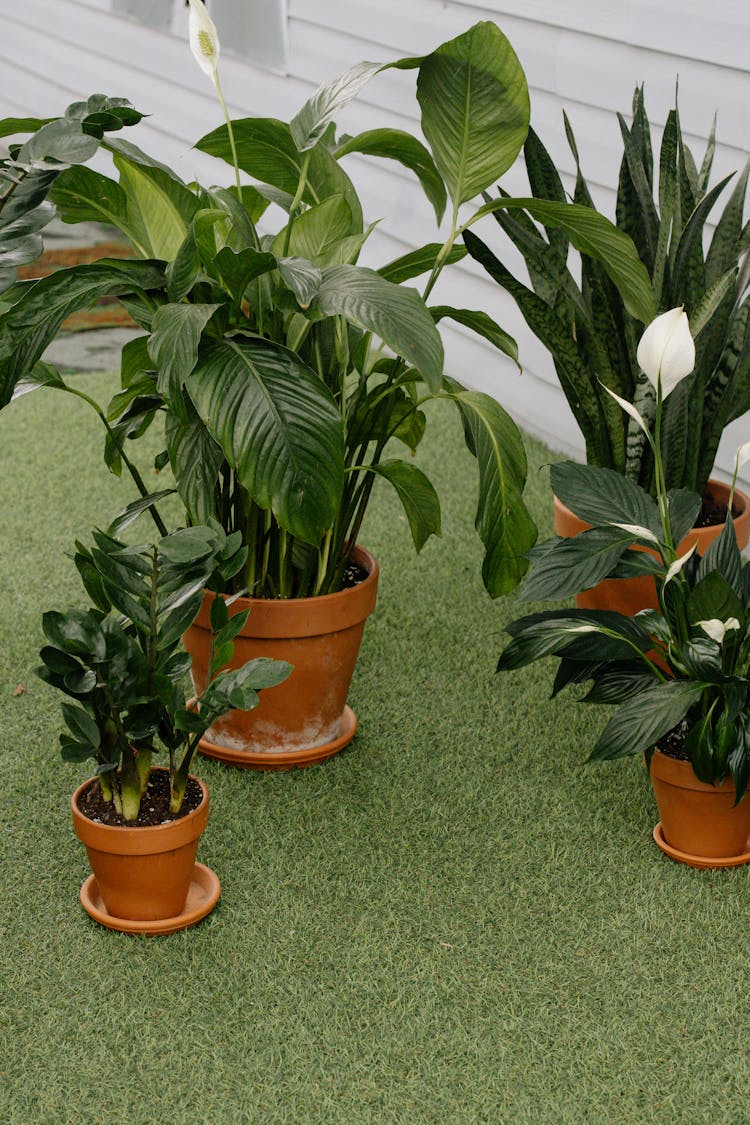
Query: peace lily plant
x: 683, y: 668
x: 287, y: 375
x: 592, y: 334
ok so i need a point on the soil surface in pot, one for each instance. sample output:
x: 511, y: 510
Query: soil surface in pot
x: 713, y: 513
x: 353, y: 575
x: 673, y: 743
x: 154, y: 806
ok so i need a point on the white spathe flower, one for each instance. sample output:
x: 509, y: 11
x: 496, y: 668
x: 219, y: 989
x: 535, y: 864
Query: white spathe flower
x: 717, y: 630
x: 636, y: 529
x: 204, y: 39
x: 742, y: 456
x: 628, y: 408
x: 678, y: 564
x: 666, y: 350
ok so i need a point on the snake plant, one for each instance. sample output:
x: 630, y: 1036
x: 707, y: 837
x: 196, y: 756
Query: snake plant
x: 591, y: 334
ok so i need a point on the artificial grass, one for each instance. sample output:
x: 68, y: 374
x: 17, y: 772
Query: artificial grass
x: 455, y: 920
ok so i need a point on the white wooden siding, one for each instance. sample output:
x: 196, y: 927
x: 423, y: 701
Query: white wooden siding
x: 584, y: 55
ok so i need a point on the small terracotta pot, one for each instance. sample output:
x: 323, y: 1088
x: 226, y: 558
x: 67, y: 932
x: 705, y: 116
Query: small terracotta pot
x: 630, y: 595
x: 143, y: 874
x: 699, y: 820
x: 304, y: 719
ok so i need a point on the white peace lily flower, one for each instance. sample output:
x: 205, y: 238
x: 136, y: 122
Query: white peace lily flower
x: 204, y: 39
x: 717, y: 630
x: 628, y: 408
x: 742, y: 456
x: 666, y: 350
x: 636, y: 529
x: 678, y: 564
x: 581, y: 629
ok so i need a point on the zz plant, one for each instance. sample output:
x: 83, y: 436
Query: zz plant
x: 121, y: 663
x: 591, y: 332
x: 286, y: 374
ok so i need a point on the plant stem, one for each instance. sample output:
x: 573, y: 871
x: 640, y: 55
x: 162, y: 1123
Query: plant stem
x: 296, y: 202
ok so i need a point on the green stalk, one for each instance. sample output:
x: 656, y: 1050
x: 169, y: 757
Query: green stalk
x: 296, y: 202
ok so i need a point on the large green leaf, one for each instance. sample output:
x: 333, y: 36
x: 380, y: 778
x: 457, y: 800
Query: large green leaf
x: 480, y: 323
x: 605, y: 634
x: 395, y: 144
x: 196, y: 459
x: 502, y: 520
x: 418, y: 496
x: 595, y: 236
x: 645, y: 718
x: 602, y: 496
x: 308, y: 125
x: 475, y: 109
x: 266, y: 151
x: 576, y: 564
x: 32, y: 323
x: 173, y: 345
x: 160, y: 206
x: 417, y: 262
x: 397, y: 315
x: 279, y: 428
x: 84, y: 196
x: 316, y: 231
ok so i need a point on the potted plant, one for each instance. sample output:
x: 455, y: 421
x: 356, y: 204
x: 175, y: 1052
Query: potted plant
x: 679, y: 676
x: 122, y: 667
x: 287, y: 374
x: 592, y: 334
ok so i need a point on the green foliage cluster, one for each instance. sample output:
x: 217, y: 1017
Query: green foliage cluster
x: 284, y: 370
x: 685, y: 666
x: 121, y: 662
x: 591, y: 331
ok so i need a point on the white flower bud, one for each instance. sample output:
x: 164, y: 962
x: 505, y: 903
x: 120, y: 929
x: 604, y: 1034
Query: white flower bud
x: 666, y: 351
x: 742, y: 456
x: 204, y: 39
x: 717, y: 630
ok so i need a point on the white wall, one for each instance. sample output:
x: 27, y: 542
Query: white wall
x: 584, y: 55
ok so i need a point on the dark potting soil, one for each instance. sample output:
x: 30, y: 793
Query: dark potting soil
x: 154, y: 806
x: 673, y: 743
x: 353, y: 575
x: 712, y: 512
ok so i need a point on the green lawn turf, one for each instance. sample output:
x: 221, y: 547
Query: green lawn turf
x: 455, y: 920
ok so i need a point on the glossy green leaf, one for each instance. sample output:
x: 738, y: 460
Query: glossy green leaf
x: 418, y: 496
x: 601, y: 496
x: 397, y: 315
x: 84, y: 196
x: 196, y: 459
x: 173, y: 345
x: 316, y: 231
x: 502, y: 520
x: 475, y: 109
x: 160, y: 207
x: 645, y: 718
x: 301, y: 277
x: 266, y: 151
x: 395, y: 144
x: 575, y: 564
x: 308, y: 125
x: 418, y: 262
x: 279, y: 428
x: 607, y: 636
x: 480, y: 323
x: 596, y: 237
x: 81, y: 725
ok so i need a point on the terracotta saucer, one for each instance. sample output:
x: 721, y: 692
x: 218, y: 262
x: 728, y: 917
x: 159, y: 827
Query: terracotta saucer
x: 203, y: 895
x: 701, y: 861
x: 283, y: 759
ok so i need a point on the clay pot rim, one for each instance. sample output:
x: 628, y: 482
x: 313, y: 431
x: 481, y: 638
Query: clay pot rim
x: 676, y: 771
x: 144, y: 831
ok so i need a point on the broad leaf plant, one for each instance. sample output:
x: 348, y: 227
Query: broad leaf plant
x: 287, y: 375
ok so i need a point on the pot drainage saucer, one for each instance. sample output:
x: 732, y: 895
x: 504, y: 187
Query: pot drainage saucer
x: 283, y: 759
x: 203, y: 895
x: 701, y: 861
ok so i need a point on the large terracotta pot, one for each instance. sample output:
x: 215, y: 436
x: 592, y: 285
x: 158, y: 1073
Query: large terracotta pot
x: 630, y: 595
x: 305, y: 719
x: 142, y: 874
x: 699, y: 823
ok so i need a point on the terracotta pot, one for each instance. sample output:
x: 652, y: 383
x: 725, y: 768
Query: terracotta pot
x: 142, y: 874
x: 305, y: 719
x: 698, y: 820
x: 630, y: 595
